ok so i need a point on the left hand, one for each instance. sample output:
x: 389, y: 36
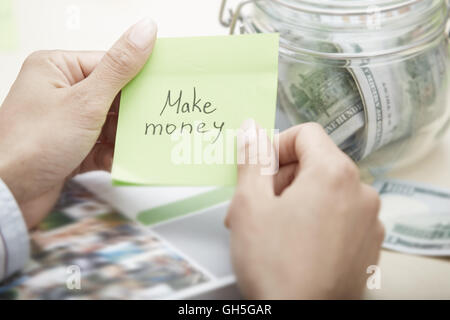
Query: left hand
x: 60, y: 117
x: 309, y: 232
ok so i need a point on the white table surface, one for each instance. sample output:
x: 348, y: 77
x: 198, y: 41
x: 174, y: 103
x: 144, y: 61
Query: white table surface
x: 43, y: 25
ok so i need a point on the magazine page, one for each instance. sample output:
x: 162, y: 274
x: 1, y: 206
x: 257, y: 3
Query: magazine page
x: 86, y: 250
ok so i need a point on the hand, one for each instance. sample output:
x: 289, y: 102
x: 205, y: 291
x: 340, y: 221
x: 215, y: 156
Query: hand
x: 60, y: 117
x: 311, y: 231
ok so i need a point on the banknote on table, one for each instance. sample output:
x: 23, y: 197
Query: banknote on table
x: 416, y: 217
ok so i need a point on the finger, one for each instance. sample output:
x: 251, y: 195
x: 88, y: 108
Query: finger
x: 80, y: 64
x: 252, y: 168
x: 372, y: 202
x: 63, y: 68
x: 305, y: 144
x: 89, y: 60
x: 284, y: 177
x: 122, y: 62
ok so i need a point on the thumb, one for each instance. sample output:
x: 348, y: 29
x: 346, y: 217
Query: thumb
x: 123, y: 61
x: 253, y: 147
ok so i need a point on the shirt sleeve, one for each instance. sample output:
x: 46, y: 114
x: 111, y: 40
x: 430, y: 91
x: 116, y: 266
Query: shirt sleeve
x: 14, y: 239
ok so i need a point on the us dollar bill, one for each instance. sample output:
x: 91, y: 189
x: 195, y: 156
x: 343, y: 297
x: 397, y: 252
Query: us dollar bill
x: 328, y: 96
x: 416, y: 217
x: 401, y: 98
x: 366, y: 105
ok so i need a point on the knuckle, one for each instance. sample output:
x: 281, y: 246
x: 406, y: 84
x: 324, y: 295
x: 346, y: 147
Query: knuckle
x: 338, y: 171
x: 240, y: 206
x: 305, y: 129
x: 347, y: 169
x: 119, y: 60
x: 242, y: 200
x: 36, y: 57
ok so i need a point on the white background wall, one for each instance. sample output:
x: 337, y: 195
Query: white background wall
x: 49, y: 24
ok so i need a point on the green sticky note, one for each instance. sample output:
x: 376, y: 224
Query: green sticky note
x: 177, y: 116
x: 8, y: 34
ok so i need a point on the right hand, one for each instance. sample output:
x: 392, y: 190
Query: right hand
x: 311, y: 231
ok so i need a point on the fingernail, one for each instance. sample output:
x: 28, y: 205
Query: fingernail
x: 142, y: 33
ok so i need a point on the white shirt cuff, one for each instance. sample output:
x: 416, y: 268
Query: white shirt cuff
x: 14, y: 239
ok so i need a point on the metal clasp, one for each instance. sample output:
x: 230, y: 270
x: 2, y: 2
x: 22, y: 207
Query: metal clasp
x: 447, y: 29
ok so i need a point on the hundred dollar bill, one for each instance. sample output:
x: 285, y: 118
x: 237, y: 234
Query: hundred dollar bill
x: 365, y: 103
x: 416, y: 217
x: 325, y: 95
x: 321, y: 93
x: 401, y: 97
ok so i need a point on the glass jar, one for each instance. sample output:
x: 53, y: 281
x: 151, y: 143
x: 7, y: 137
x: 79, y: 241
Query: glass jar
x: 373, y: 73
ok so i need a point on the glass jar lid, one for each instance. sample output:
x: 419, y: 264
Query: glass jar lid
x: 363, y: 29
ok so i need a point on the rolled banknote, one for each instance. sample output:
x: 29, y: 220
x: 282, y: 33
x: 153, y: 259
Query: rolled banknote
x: 401, y: 97
x: 416, y: 217
x: 367, y: 103
x: 325, y: 95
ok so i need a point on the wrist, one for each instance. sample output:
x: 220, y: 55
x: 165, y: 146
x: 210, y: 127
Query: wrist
x: 11, y: 178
